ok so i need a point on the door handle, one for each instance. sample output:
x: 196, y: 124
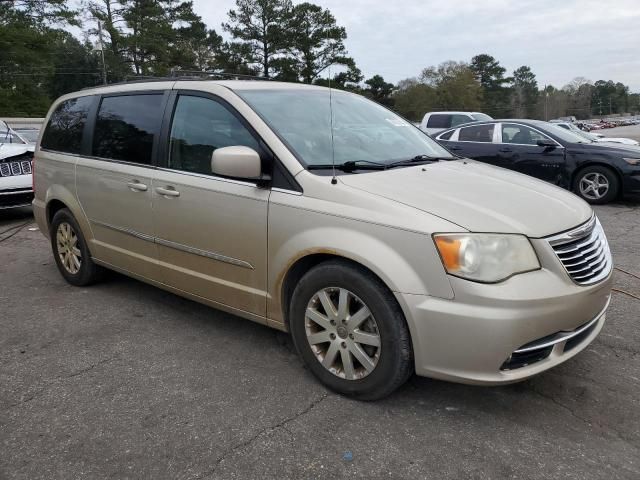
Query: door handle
x: 136, y: 186
x: 168, y: 192
x: 505, y: 150
x: 455, y: 148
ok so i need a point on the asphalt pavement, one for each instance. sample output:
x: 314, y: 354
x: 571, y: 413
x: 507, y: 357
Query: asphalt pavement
x: 123, y: 380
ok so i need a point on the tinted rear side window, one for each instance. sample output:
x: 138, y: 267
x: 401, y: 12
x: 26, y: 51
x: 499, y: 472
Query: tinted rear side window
x: 479, y: 133
x: 439, y: 121
x: 126, y: 126
x: 66, y: 124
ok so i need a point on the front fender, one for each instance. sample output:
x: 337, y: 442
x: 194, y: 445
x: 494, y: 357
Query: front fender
x: 405, y: 261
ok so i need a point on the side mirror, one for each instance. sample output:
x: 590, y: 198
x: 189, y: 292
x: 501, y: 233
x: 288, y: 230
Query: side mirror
x: 236, y: 162
x: 546, y: 143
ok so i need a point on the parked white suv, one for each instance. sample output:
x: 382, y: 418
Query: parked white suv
x: 16, y: 154
x: 435, y: 122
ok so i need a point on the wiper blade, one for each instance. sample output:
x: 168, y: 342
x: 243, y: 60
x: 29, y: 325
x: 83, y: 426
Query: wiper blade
x: 417, y: 159
x: 350, y: 166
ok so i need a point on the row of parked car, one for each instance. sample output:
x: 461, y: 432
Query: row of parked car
x: 596, y: 168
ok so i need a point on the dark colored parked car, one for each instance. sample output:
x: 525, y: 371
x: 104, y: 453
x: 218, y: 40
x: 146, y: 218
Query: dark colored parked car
x: 595, y: 171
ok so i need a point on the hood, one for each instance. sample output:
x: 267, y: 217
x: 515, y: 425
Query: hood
x: 607, y: 148
x: 626, y: 141
x: 8, y: 150
x: 478, y: 197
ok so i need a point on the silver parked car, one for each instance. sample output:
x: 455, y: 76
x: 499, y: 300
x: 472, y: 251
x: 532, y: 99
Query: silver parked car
x: 327, y: 216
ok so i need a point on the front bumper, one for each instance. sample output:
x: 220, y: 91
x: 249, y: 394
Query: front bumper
x: 15, y: 191
x: 484, y: 334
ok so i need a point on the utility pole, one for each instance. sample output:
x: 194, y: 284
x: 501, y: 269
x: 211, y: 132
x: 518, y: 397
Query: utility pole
x: 104, y: 68
x: 546, y: 101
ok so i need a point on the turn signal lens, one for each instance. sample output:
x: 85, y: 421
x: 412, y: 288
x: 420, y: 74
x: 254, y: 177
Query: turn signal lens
x: 486, y: 258
x: 449, y: 251
x: 632, y: 161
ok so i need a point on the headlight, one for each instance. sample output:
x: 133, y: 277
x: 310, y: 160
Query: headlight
x: 484, y: 257
x: 632, y: 161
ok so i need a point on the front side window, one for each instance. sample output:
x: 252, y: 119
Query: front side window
x: 66, y: 125
x: 439, y: 120
x: 126, y: 126
x: 521, y: 135
x: 477, y: 133
x: 201, y: 125
x: 361, y: 130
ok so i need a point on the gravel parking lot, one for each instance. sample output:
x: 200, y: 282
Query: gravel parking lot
x: 123, y: 380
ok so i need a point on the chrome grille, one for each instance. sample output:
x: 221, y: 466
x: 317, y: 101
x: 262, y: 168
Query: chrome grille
x: 584, y: 252
x: 9, y: 169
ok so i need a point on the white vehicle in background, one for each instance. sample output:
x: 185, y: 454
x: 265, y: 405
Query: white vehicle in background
x: 16, y: 157
x: 436, y: 122
x: 596, y: 137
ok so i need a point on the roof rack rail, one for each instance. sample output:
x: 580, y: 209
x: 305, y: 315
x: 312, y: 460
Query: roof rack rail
x: 184, y: 75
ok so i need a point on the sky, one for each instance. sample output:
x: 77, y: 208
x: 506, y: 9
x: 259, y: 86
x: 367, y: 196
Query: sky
x: 558, y: 39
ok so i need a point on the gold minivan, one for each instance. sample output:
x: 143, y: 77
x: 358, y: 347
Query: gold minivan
x: 321, y: 213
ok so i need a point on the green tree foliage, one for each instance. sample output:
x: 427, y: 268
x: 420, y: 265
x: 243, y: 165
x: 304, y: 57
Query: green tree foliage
x: 496, y: 93
x: 455, y: 86
x: 379, y: 90
x: 316, y: 42
x: 38, y: 61
x: 524, y: 93
x: 413, y: 99
x: 609, y: 97
x: 261, y: 25
x: 348, y: 79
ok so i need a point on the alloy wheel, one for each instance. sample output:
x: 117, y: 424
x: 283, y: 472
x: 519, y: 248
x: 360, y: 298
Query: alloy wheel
x: 342, y: 333
x: 594, y: 186
x: 67, y: 246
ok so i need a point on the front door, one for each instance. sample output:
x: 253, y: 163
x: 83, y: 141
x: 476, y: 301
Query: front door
x: 115, y: 184
x: 519, y: 151
x: 211, y: 232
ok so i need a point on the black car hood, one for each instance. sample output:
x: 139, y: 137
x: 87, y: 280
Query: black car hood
x: 604, y: 149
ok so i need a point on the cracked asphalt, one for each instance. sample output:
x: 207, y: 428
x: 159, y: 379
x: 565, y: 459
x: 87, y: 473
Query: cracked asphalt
x: 123, y: 380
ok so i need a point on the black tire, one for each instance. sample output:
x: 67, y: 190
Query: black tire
x: 595, y: 170
x: 395, y: 362
x: 88, y: 272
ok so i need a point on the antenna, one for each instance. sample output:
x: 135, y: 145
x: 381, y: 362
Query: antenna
x: 334, y: 180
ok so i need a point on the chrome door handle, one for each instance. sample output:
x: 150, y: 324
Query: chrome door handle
x: 136, y: 186
x: 168, y: 192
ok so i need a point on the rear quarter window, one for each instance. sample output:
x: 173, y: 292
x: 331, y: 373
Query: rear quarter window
x: 66, y: 125
x: 446, y: 135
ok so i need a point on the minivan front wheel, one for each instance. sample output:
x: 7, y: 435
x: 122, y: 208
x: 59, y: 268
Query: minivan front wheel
x: 70, y: 250
x: 350, y: 331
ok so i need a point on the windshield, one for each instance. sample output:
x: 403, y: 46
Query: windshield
x: 481, y: 117
x: 565, y: 135
x: 362, y: 130
x: 30, y: 136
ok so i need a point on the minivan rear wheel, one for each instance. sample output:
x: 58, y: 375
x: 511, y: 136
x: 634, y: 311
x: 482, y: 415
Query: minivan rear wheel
x: 71, y: 252
x: 350, y: 331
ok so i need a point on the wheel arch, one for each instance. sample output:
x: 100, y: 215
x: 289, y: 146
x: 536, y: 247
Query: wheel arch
x: 596, y: 163
x: 59, y: 197
x: 303, y: 265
